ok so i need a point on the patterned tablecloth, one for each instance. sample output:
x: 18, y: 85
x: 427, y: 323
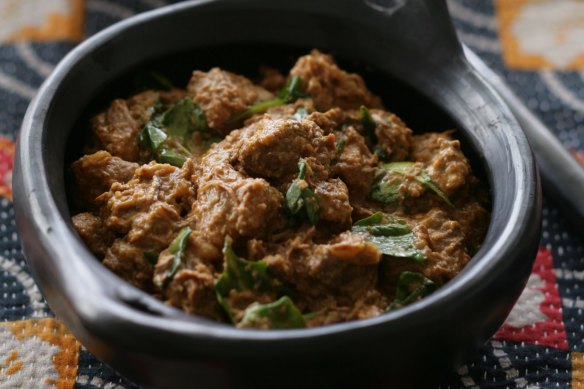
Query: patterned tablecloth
x: 536, y: 45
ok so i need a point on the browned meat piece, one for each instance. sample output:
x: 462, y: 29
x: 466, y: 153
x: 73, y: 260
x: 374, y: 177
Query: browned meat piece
x: 272, y: 148
x: 130, y: 262
x: 333, y: 200
x: 394, y: 137
x: 152, y: 184
x: 245, y: 207
x: 271, y: 79
x: 95, y: 174
x: 93, y: 232
x: 193, y: 287
x: 355, y: 164
x: 222, y: 95
x: 447, y: 166
x: 445, y: 247
x: 118, y: 131
x: 330, y: 86
x: 344, y: 270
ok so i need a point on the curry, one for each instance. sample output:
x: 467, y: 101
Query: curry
x: 296, y: 201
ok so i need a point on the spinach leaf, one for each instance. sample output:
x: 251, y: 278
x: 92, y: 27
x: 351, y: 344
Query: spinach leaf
x: 299, y: 196
x: 278, y: 314
x: 411, y: 287
x: 241, y: 274
x: 392, y: 236
x: 387, y: 191
x: 177, y: 250
x: 291, y: 92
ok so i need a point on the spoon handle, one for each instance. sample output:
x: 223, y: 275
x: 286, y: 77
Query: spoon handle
x: 562, y: 175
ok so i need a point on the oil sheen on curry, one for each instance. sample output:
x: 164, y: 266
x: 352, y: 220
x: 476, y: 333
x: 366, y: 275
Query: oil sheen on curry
x: 296, y: 201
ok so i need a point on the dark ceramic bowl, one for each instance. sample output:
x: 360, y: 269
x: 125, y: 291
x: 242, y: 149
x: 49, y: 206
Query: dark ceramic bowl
x: 414, y: 62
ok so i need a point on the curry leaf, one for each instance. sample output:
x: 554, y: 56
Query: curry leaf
x: 392, y: 236
x: 241, y: 274
x: 278, y: 314
x: 184, y: 118
x: 411, y: 287
x: 172, y: 157
x: 387, y: 191
x: 177, y: 250
x: 152, y: 135
x: 291, y: 92
x: 299, y: 196
x: 368, y: 123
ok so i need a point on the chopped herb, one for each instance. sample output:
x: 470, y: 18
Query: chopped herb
x: 391, y: 235
x: 368, y: 124
x: 177, y: 250
x: 291, y: 92
x: 241, y: 274
x: 386, y: 190
x: 411, y: 287
x: 299, y: 196
x: 340, y: 146
x: 278, y: 314
x: 168, y: 135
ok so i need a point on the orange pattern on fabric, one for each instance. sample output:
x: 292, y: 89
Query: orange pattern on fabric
x: 12, y: 364
x: 53, y: 332
x: 516, y: 55
x: 55, y: 26
x: 577, y: 370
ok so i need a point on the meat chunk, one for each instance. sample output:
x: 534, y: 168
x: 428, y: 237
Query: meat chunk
x: 447, y: 166
x: 222, y: 95
x: 445, y: 247
x: 333, y: 200
x: 153, y: 184
x: 244, y: 207
x: 95, y: 173
x: 330, y: 86
x: 271, y: 148
x: 130, y: 263
x: 344, y: 269
x: 355, y: 164
x: 93, y: 232
x: 394, y: 137
x: 192, y: 288
x: 118, y: 131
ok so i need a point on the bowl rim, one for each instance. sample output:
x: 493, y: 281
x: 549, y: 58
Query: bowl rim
x: 35, y: 203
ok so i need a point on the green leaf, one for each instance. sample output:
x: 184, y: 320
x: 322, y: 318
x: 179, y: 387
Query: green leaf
x: 387, y: 193
x: 184, y: 118
x: 311, y: 205
x: 152, y: 136
x: 425, y: 180
x: 368, y: 123
x: 411, y: 287
x: 292, y: 91
x: 172, y: 157
x: 280, y: 314
x: 384, y: 192
x: 294, y: 199
x: 240, y: 274
x: 391, y: 235
x: 177, y: 250
x: 299, y: 196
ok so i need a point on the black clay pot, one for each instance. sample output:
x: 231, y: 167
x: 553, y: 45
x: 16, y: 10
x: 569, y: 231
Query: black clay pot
x: 410, y: 56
